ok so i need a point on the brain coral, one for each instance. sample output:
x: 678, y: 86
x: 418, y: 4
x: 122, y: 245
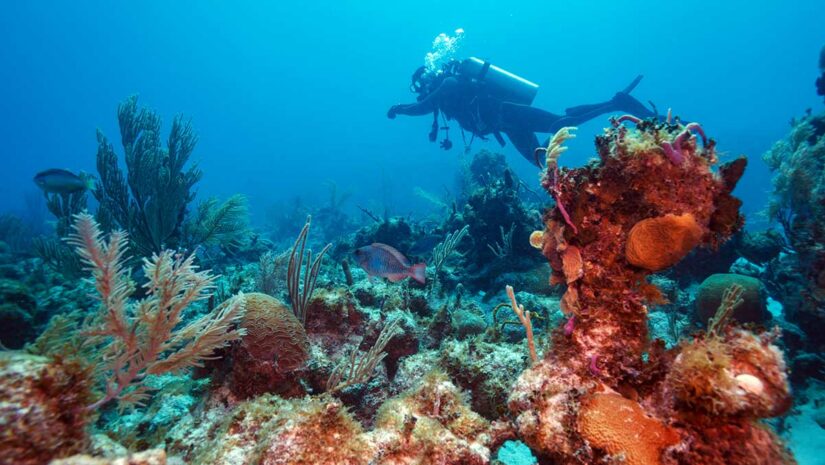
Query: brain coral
x: 754, y: 305
x: 658, y: 243
x: 620, y: 426
x: 273, y: 333
x: 275, y: 344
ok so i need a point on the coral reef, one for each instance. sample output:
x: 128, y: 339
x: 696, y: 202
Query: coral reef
x: 430, y: 424
x: 624, y: 350
x: 798, y: 205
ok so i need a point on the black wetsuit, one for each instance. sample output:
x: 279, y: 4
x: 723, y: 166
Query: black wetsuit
x: 481, y: 113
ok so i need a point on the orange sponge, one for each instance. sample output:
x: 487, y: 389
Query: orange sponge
x: 620, y: 426
x: 658, y: 243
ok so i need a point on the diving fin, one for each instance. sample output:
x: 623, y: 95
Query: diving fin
x: 633, y: 84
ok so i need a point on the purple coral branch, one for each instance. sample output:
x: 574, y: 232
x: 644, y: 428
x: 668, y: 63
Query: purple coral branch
x: 554, y: 188
x: 564, y: 214
x: 594, y: 366
x: 673, y: 150
x: 570, y: 326
x: 621, y: 119
x: 698, y: 128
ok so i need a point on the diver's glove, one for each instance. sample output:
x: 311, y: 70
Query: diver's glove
x: 392, y: 111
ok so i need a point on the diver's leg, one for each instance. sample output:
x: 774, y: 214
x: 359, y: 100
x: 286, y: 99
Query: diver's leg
x: 525, y: 118
x: 525, y: 142
x: 621, y: 102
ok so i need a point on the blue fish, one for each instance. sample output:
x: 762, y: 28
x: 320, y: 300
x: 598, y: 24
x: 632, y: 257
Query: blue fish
x: 384, y: 261
x: 57, y: 181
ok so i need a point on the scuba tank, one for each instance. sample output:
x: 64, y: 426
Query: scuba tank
x: 500, y: 83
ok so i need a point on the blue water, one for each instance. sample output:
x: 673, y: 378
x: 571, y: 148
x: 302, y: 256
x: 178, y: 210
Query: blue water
x: 288, y: 95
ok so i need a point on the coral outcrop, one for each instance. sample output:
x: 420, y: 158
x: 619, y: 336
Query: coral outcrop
x: 604, y: 392
x: 428, y: 425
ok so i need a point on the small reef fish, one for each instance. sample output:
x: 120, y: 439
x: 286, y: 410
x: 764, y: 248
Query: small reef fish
x: 57, y: 181
x: 384, y: 261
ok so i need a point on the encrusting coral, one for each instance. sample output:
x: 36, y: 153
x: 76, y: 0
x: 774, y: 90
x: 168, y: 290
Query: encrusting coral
x: 658, y: 243
x: 621, y: 427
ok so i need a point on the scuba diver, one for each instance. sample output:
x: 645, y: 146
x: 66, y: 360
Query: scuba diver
x: 487, y: 100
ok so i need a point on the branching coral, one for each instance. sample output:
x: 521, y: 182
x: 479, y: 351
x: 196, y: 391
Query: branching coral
x: 150, y: 199
x: 550, y: 176
x: 150, y: 338
x: 355, y: 370
x: 218, y: 224
x: 446, y: 248
x: 524, y: 317
x: 300, y: 294
x: 731, y: 298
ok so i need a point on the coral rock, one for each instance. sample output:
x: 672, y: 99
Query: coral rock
x: 43, y: 410
x: 431, y: 424
x: 741, y: 374
x: 269, y: 431
x: 149, y: 457
x: 658, y: 243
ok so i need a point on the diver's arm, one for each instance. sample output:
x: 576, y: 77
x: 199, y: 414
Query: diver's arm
x: 426, y: 106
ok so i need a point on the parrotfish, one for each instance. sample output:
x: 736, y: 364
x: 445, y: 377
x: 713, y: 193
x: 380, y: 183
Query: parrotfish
x: 57, y: 181
x: 384, y: 261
